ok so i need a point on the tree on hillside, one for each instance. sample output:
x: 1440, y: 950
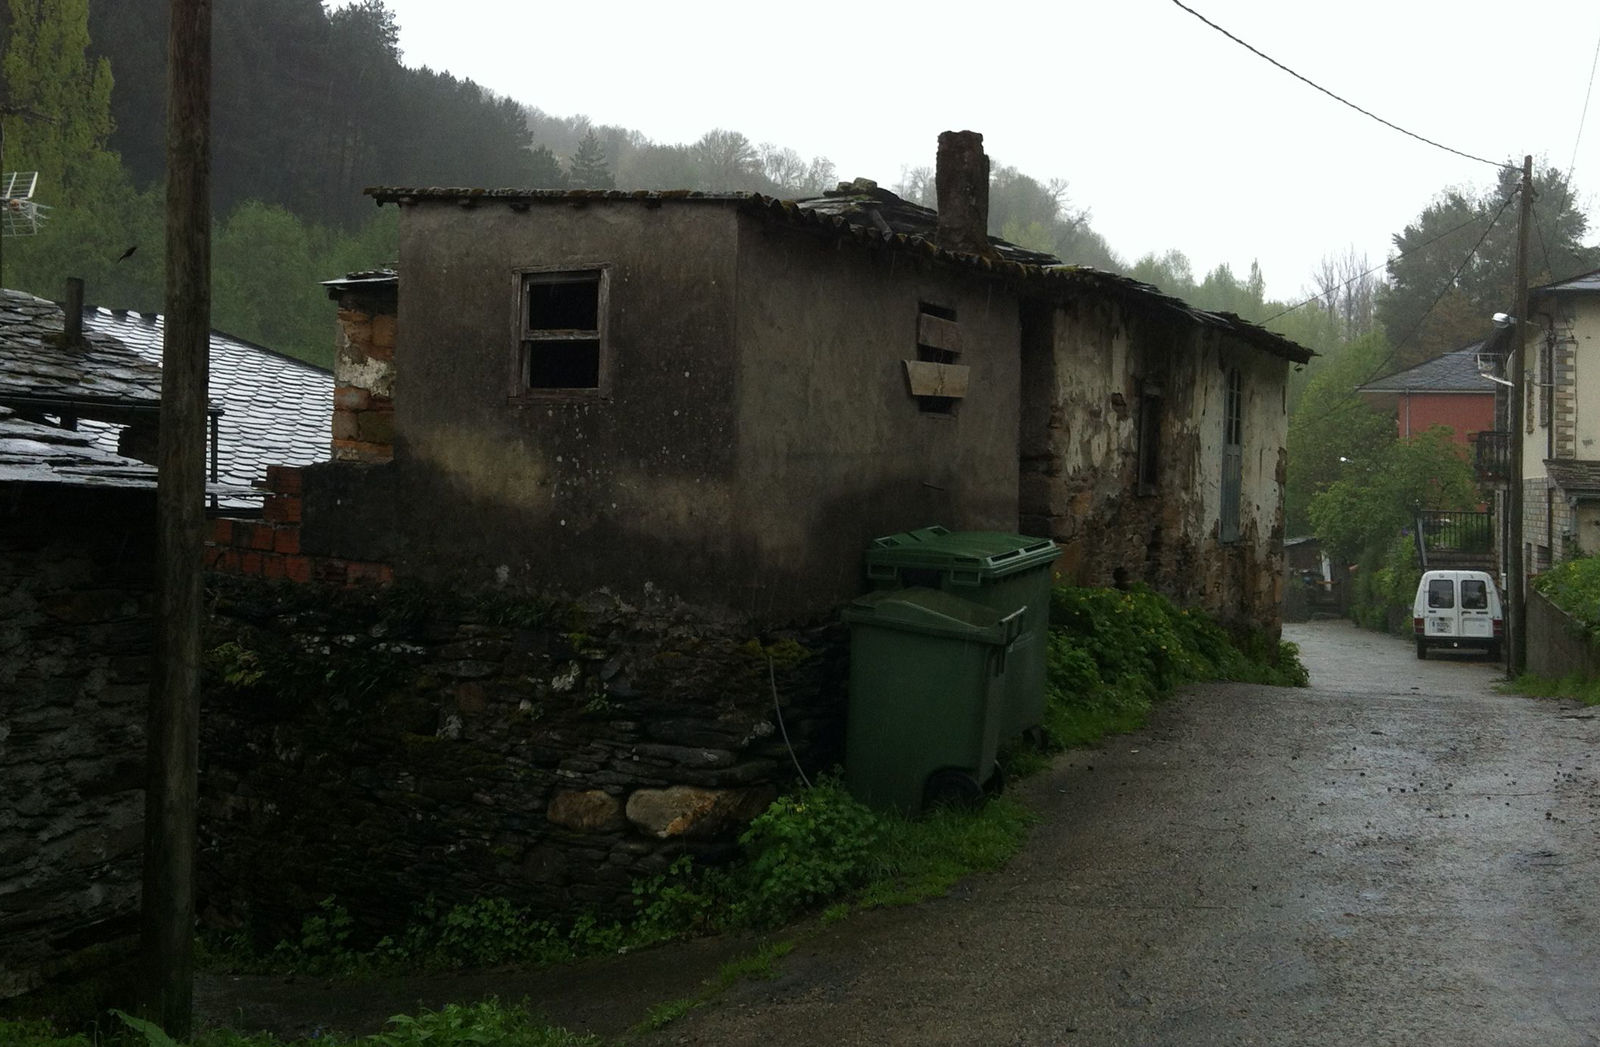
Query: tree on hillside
x: 589, y: 169
x: 726, y: 160
x: 1454, y: 266
x: 1348, y: 290
x: 1331, y: 425
x: 58, y: 100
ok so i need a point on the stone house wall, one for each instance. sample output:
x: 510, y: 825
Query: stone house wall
x: 76, y: 575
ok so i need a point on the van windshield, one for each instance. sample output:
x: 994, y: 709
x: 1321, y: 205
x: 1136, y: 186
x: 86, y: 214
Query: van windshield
x: 1441, y: 593
x: 1474, y: 594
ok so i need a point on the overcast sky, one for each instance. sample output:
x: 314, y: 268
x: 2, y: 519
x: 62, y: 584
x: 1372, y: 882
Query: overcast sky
x: 1171, y: 135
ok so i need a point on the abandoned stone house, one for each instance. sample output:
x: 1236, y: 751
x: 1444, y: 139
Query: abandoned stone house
x: 723, y: 397
x: 689, y: 414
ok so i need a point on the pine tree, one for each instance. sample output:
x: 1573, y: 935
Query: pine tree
x: 589, y: 168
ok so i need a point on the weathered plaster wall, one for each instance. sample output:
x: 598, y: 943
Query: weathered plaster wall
x: 403, y: 743
x: 633, y: 489
x: 1086, y: 366
x: 76, y: 570
x: 832, y: 448
x: 756, y: 432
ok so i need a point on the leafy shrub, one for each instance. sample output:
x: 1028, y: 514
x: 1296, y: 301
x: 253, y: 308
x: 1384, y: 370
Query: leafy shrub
x: 1574, y: 587
x: 808, y: 847
x: 486, y: 1022
x: 36, y: 1033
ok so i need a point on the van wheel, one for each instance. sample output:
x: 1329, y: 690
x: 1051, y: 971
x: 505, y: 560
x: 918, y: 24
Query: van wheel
x: 1422, y: 649
x: 1494, y: 652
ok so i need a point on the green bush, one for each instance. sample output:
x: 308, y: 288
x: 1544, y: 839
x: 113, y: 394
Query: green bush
x: 1574, y: 587
x: 1111, y: 654
x: 808, y: 847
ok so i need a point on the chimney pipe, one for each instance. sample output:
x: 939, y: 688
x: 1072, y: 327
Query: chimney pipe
x: 72, y: 314
x: 962, y: 183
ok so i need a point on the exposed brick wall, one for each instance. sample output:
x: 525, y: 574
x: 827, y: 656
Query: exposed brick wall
x: 363, y: 375
x: 269, y: 548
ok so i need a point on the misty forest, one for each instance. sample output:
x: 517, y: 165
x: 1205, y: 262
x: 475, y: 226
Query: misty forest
x: 311, y: 105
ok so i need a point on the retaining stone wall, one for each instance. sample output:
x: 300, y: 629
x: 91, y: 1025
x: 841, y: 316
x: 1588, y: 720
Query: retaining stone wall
x: 401, y: 744
x: 76, y: 635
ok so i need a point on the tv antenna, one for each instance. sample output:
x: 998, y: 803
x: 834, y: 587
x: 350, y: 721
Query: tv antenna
x: 20, y: 214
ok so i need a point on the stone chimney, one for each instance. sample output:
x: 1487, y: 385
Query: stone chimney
x: 962, y: 183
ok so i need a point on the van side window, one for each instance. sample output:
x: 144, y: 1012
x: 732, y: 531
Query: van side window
x: 1441, y: 593
x: 1474, y: 594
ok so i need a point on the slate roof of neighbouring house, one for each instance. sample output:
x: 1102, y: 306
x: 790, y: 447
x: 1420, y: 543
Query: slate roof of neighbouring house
x: 1454, y: 372
x: 276, y: 410
x: 1586, y: 282
x: 33, y: 453
x: 1574, y: 474
x: 271, y: 409
x: 101, y: 378
x: 876, y: 217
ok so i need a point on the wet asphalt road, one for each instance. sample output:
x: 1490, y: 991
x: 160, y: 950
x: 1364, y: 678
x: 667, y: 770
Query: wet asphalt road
x: 1397, y: 855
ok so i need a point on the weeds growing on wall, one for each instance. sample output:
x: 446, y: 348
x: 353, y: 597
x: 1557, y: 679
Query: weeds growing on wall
x: 1111, y: 655
x: 1574, y: 587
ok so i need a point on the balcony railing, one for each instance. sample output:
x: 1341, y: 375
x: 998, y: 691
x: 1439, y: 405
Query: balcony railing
x: 1491, y: 456
x: 1454, y: 537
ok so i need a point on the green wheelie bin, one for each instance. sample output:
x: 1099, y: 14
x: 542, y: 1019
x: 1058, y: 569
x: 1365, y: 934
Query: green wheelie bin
x: 927, y: 688
x: 1006, y: 572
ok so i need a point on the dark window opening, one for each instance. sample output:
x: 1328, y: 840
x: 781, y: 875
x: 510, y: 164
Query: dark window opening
x: 564, y: 303
x: 1149, y: 440
x: 562, y: 342
x: 563, y: 365
x: 1232, y: 456
x: 1474, y: 594
x: 1441, y: 593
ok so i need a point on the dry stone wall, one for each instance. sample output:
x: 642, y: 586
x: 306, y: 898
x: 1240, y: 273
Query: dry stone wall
x: 76, y: 570
x: 388, y: 746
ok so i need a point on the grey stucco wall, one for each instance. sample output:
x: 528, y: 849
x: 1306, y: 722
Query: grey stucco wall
x: 756, y: 433
x: 833, y: 449
x: 76, y: 572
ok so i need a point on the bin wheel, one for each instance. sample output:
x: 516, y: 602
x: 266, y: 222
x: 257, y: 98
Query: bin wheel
x: 951, y: 787
x: 997, y: 780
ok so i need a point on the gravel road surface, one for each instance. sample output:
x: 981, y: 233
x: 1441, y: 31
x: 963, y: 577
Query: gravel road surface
x: 1397, y: 855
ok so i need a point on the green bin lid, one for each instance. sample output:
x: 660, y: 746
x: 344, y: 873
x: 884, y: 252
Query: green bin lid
x: 970, y: 557
x: 934, y: 612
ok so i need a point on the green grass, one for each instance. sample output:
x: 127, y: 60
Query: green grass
x: 1574, y: 687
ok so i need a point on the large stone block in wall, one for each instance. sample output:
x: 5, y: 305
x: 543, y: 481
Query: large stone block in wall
x: 694, y: 813
x: 589, y: 811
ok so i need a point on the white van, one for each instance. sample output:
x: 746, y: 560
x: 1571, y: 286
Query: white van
x: 1457, y: 609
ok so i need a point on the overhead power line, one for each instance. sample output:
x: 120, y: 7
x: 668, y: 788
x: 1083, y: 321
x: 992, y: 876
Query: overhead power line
x: 1585, y: 114
x: 1395, y: 350
x: 1381, y: 265
x: 1342, y: 101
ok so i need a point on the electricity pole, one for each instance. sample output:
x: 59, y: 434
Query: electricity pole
x: 1517, y: 642
x: 171, y: 796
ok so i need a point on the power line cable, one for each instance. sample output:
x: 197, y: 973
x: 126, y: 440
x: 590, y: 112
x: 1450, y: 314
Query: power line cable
x: 1330, y: 94
x: 1381, y: 265
x: 1573, y: 163
x: 1395, y: 350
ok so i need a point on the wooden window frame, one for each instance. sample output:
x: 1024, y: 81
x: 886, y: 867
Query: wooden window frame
x: 526, y: 338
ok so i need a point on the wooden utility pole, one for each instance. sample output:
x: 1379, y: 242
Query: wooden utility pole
x: 171, y: 798
x: 1517, y: 618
